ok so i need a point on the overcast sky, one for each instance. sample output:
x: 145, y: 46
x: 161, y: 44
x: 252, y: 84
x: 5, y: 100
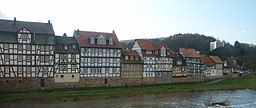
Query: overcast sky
x: 229, y: 20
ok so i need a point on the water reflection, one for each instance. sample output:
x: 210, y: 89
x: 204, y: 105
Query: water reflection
x: 236, y: 99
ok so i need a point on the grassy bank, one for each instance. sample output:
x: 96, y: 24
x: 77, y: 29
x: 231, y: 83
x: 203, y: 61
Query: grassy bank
x: 112, y: 92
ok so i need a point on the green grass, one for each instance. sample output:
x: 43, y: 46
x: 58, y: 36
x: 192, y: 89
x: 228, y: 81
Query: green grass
x: 113, y: 92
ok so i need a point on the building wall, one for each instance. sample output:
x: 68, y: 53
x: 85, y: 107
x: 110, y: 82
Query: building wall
x: 131, y: 70
x: 100, y: 62
x: 193, y: 66
x: 179, y: 71
x: 214, y: 71
x: 149, y: 67
x: 26, y: 60
x: 163, y: 77
x: 67, y: 68
x: 66, y: 77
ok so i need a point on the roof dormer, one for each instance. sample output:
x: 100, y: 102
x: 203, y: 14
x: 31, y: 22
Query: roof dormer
x: 101, y: 40
x: 24, y: 35
x: 92, y: 40
x: 110, y: 41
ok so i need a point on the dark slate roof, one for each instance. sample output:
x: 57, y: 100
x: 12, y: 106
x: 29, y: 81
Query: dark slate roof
x: 42, y: 33
x: 61, y: 41
x: 34, y: 27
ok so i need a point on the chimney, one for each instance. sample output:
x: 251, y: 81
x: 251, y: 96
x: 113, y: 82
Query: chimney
x: 14, y: 20
x: 113, y: 31
x: 65, y: 35
x: 49, y: 22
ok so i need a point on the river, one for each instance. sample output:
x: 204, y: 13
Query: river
x: 235, y: 98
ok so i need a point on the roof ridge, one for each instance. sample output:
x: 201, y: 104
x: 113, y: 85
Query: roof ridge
x: 25, y: 21
x: 96, y: 32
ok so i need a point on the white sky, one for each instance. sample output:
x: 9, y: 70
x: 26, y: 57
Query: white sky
x: 135, y: 18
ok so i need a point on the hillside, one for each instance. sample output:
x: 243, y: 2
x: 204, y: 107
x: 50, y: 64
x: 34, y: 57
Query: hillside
x: 244, y: 54
x: 197, y: 41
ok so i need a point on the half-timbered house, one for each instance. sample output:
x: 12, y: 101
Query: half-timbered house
x: 100, y: 54
x: 179, y: 66
x: 193, y: 61
x: 132, y: 65
x: 212, y: 66
x: 67, y: 59
x: 26, y: 49
x: 156, y: 58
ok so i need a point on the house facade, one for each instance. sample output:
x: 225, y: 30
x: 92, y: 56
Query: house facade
x: 212, y: 66
x: 67, y: 59
x: 179, y: 66
x: 100, y: 54
x: 231, y: 66
x: 26, y: 49
x: 156, y: 58
x: 132, y: 65
x: 193, y: 61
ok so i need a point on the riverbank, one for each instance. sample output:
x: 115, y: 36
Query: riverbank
x: 115, y: 92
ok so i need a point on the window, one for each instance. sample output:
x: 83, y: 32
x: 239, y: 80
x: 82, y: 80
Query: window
x: 47, y: 59
x: 62, y: 76
x: 20, y: 47
x: 63, y: 67
x: 6, y: 46
x: 110, y: 41
x: 65, y: 56
x: 42, y: 58
x: 65, y: 47
x: 28, y: 69
x: 101, y: 39
x: 92, y: 40
x: 28, y: 58
x: 47, y: 48
x: 19, y: 57
x: 24, y: 37
x: 73, y: 67
x: 73, y: 57
x: 74, y: 46
x: 126, y: 57
x: 42, y: 48
x: 136, y: 58
x: 7, y: 58
x: 28, y: 47
x: 19, y: 69
x: 131, y: 57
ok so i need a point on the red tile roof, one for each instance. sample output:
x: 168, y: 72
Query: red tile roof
x: 83, y: 39
x: 231, y: 62
x: 130, y: 52
x: 216, y: 59
x: 145, y: 44
x: 206, y: 60
x: 189, y: 52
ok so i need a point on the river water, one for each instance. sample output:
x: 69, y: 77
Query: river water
x: 235, y: 98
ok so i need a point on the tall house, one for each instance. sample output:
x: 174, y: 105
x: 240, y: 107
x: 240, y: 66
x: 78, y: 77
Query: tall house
x: 132, y: 65
x: 100, y: 54
x: 216, y: 44
x: 179, y: 66
x: 26, y: 49
x: 67, y: 59
x: 193, y: 61
x: 156, y: 58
